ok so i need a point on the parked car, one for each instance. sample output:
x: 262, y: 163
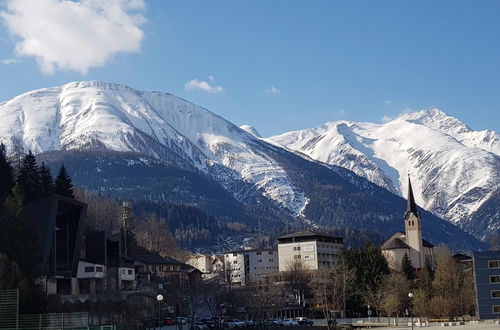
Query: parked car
x: 249, y: 323
x: 168, y: 321
x: 180, y: 320
x: 304, y: 321
x: 211, y: 324
x: 235, y: 323
x: 199, y: 325
x: 290, y: 322
x: 278, y: 322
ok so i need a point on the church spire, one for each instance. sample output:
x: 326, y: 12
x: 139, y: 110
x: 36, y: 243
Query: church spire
x: 411, y: 206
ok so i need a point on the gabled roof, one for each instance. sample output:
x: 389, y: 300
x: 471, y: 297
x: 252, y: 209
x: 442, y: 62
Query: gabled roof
x: 394, y: 243
x: 156, y: 259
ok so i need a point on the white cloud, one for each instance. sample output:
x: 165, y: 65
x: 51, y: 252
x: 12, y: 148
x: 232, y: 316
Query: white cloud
x: 388, y: 101
x: 74, y: 35
x: 10, y: 61
x: 211, y: 78
x: 340, y: 113
x: 272, y: 90
x: 202, y: 85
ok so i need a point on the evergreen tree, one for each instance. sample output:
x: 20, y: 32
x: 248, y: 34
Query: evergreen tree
x: 29, y: 180
x: 64, y: 185
x: 407, y: 268
x: 7, y: 179
x: 46, y: 179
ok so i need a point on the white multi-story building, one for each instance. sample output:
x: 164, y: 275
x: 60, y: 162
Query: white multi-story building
x: 208, y: 265
x: 313, y: 250
x: 244, y: 266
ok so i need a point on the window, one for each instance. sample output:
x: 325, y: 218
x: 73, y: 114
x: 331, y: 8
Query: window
x: 495, y: 293
x: 296, y: 256
x: 494, y: 278
x: 130, y: 272
x: 89, y: 269
x: 271, y: 260
x: 235, y: 254
x: 235, y: 262
x: 271, y: 252
x: 99, y: 269
x: 259, y: 253
x: 496, y: 309
x: 296, y: 248
x: 494, y: 264
x: 260, y: 260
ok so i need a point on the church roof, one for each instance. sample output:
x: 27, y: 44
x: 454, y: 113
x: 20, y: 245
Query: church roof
x: 411, y: 206
x: 427, y: 243
x: 398, y: 241
x: 394, y: 243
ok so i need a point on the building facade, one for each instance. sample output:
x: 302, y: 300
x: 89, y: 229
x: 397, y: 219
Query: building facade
x: 313, y: 250
x: 244, y: 266
x: 409, y: 242
x: 487, y: 283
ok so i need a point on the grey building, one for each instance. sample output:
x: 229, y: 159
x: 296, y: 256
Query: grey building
x: 487, y: 283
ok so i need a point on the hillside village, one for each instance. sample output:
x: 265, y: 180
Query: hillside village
x: 60, y: 260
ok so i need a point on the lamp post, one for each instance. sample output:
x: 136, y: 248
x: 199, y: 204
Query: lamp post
x: 410, y: 295
x: 159, y: 298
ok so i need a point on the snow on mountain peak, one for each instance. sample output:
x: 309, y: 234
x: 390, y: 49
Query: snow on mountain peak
x: 250, y: 129
x: 92, y: 114
x: 456, y: 169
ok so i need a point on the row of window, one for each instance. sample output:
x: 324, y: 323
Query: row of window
x: 163, y: 268
x: 494, y: 278
x: 494, y: 264
x: 91, y: 269
x: 260, y: 252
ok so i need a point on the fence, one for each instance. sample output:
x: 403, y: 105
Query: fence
x: 10, y: 319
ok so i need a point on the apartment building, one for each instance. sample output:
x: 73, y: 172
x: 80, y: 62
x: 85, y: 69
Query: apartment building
x: 244, y: 266
x: 487, y: 283
x: 314, y: 250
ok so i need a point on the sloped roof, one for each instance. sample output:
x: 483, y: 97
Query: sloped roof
x: 427, y: 243
x: 156, y: 259
x: 394, y: 243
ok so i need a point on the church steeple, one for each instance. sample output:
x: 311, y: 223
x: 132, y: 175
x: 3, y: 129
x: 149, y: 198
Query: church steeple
x: 411, y: 206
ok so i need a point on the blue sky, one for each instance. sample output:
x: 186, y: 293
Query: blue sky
x: 278, y: 65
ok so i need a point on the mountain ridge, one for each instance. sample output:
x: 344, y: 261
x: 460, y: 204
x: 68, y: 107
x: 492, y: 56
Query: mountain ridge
x: 454, y: 171
x: 260, y: 177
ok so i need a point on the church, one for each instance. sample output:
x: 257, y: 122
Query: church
x: 411, y: 241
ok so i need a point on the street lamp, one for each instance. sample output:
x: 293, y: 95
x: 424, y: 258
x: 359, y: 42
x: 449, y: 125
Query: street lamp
x: 159, y: 298
x: 410, y: 295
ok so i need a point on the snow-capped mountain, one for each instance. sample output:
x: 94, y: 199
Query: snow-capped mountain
x: 155, y: 147
x: 111, y: 116
x: 455, y: 170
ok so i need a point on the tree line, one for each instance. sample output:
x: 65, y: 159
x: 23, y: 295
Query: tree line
x: 20, y: 256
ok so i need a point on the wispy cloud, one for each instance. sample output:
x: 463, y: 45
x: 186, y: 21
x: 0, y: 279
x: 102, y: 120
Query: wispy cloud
x: 74, y: 35
x: 388, y: 101
x: 10, y: 61
x: 272, y: 90
x: 202, y: 85
x: 340, y: 113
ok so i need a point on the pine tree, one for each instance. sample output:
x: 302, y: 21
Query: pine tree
x: 29, y: 179
x: 46, y: 179
x: 407, y: 268
x: 64, y: 185
x: 7, y: 180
